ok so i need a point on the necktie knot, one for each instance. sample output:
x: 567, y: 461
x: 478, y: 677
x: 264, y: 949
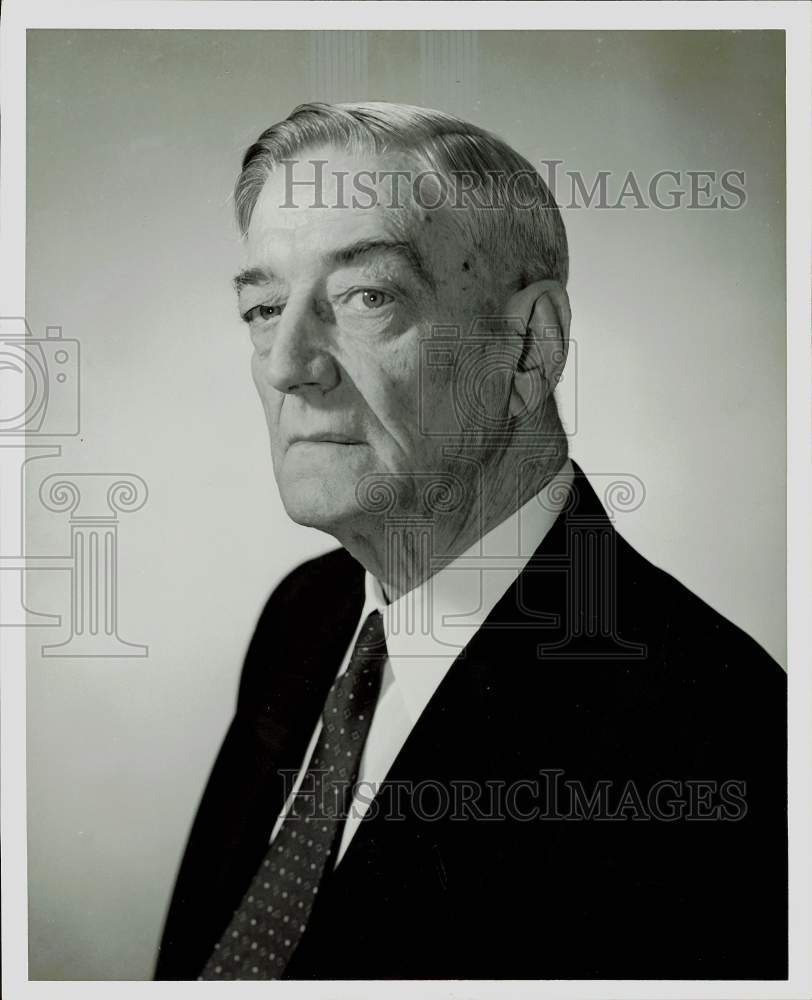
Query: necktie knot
x: 355, y: 692
x: 371, y: 642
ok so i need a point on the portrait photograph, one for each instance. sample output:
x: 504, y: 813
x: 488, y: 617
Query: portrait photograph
x: 405, y: 546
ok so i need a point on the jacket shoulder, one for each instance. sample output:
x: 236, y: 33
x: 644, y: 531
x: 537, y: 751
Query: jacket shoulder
x: 312, y: 602
x: 679, y: 628
x: 313, y: 580
x: 684, y: 620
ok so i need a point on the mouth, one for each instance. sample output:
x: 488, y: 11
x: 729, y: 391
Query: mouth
x: 327, y: 438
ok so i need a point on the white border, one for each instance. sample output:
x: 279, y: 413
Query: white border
x: 409, y: 15
x: 796, y: 19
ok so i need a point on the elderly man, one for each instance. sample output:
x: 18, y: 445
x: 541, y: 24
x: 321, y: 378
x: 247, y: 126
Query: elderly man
x: 485, y: 738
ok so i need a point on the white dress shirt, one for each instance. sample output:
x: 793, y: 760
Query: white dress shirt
x: 426, y: 630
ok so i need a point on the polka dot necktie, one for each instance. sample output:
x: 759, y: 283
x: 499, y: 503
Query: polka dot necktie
x: 273, y: 915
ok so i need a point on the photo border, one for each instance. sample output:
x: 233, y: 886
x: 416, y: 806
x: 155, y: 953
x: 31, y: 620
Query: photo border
x: 794, y: 18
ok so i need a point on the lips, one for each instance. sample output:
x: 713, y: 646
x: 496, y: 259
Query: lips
x: 328, y: 437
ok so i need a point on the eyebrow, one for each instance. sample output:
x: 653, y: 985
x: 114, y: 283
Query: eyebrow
x: 404, y: 249
x: 350, y: 254
x: 253, y: 276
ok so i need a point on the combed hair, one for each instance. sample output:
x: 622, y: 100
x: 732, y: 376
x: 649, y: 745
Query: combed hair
x: 523, y: 229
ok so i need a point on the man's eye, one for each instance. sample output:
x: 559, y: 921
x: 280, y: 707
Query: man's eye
x: 369, y: 298
x: 262, y: 312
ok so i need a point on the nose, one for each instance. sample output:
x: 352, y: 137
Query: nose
x: 294, y: 355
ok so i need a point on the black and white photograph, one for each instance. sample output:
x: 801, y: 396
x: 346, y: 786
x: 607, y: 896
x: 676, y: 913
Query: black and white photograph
x: 405, y: 551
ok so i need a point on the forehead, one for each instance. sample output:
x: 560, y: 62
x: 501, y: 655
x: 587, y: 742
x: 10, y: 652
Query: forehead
x: 327, y: 197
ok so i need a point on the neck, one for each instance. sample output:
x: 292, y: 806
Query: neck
x: 406, y: 552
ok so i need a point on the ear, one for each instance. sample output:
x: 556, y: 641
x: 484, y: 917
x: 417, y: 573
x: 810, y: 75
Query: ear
x: 544, y: 311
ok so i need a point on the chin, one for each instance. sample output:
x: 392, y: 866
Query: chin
x: 318, y: 484
x: 309, y: 503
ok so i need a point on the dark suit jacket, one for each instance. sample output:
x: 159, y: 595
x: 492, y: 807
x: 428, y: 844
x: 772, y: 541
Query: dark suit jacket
x: 596, y: 665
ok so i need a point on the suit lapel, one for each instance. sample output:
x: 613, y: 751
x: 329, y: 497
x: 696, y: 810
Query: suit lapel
x: 454, y: 736
x: 306, y: 652
x: 291, y: 662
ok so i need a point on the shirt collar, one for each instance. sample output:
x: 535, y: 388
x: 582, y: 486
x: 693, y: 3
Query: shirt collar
x: 427, y: 628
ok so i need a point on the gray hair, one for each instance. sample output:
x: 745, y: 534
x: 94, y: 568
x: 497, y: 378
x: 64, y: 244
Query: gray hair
x: 521, y: 226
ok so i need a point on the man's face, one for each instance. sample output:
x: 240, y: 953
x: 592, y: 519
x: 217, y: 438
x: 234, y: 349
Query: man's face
x: 337, y: 300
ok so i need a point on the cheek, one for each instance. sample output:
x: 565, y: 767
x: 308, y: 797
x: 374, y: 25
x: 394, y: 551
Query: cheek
x: 385, y: 377
x: 270, y: 398
x: 436, y: 397
x: 256, y: 372
x: 413, y: 389
x: 392, y: 399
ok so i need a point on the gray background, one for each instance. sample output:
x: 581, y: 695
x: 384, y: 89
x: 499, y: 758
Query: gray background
x: 134, y: 141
